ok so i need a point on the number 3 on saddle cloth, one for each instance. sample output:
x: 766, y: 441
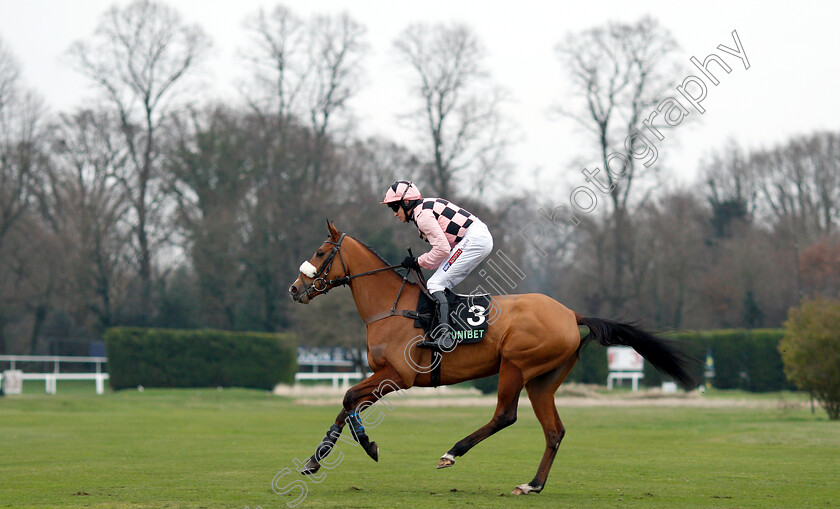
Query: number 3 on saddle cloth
x: 468, y: 316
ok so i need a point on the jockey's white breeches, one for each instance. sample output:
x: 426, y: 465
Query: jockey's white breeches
x: 463, y: 258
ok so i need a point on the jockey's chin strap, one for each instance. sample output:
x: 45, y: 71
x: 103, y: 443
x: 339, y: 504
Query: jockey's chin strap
x: 321, y: 284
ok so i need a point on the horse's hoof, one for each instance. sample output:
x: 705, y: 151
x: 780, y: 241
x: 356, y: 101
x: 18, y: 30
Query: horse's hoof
x: 310, y: 467
x: 372, y: 450
x: 445, y: 461
x: 524, y: 489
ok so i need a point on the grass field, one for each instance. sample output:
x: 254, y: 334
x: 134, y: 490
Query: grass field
x: 209, y: 448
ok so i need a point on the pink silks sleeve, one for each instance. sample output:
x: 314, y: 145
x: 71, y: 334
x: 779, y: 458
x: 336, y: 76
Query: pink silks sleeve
x: 430, y: 228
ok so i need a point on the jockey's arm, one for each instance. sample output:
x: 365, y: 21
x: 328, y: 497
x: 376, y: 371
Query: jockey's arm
x: 427, y: 225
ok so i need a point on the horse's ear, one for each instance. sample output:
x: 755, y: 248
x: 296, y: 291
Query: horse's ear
x: 334, y: 233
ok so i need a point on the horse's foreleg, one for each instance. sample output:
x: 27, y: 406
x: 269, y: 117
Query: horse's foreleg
x: 326, y: 446
x: 356, y: 399
x: 510, y: 385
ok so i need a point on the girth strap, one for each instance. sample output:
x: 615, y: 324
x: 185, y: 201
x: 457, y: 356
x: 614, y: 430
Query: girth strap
x: 437, y: 358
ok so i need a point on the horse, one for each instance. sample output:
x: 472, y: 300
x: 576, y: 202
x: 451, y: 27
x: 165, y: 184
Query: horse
x: 533, y: 343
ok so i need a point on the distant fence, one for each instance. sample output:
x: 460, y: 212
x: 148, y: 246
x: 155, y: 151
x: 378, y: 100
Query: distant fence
x: 334, y: 364
x: 338, y: 365
x: 49, y: 369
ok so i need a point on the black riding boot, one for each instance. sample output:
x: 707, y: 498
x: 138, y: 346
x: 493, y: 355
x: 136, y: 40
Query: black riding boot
x: 442, y: 340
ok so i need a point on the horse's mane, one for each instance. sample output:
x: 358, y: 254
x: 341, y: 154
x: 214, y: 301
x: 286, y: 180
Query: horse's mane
x: 381, y: 259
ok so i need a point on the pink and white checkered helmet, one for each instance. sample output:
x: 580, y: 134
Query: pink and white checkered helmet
x: 402, y: 190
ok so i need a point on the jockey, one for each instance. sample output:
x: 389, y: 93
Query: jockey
x: 460, y: 241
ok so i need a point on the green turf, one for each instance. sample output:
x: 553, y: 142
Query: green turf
x: 209, y: 448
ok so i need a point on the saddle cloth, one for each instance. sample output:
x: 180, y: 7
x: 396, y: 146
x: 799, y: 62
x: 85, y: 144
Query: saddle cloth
x: 467, y: 315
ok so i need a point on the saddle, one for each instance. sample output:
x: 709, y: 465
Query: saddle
x: 468, y: 318
x: 467, y: 315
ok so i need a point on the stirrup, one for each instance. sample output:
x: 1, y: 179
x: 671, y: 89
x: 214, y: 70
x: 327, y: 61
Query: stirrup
x: 443, y: 342
x: 433, y: 345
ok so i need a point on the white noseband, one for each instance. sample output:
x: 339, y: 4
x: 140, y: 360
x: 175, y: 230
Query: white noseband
x: 308, y: 270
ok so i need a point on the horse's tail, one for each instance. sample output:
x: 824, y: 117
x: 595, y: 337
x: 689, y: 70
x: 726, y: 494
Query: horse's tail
x: 664, y: 354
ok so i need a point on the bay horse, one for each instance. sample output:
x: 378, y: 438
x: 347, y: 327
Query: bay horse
x: 533, y: 343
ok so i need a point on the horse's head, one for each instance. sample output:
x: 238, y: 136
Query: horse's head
x: 321, y: 272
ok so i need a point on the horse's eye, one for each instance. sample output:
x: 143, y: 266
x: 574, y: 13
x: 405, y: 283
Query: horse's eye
x: 319, y: 254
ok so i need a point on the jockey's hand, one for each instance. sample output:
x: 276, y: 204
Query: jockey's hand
x: 410, y: 262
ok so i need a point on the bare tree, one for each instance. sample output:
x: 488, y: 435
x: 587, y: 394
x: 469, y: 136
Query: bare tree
x: 31, y: 279
x: 799, y: 194
x: 306, y: 72
x: 820, y: 268
x: 9, y: 75
x: 336, y: 51
x: 375, y: 163
x: 800, y: 185
x: 619, y: 73
x: 22, y: 162
x: 459, y: 114
x: 668, y: 255
x: 278, y: 61
x: 21, y: 115
x: 212, y: 171
x: 83, y: 205
x: 731, y: 189
x: 138, y: 57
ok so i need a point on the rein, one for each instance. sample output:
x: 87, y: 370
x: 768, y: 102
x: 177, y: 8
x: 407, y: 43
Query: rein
x: 320, y: 283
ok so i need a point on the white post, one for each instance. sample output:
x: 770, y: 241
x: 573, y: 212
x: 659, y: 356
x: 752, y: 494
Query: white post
x: 100, y: 383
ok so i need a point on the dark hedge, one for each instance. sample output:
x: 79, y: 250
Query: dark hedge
x: 745, y: 359
x: 199, y: 358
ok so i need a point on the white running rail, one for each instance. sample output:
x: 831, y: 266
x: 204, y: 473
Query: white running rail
x: 50, y: 378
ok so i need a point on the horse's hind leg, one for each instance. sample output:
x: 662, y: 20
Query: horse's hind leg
x: 357, y: 398
x: 541, y: 393
x: 510, y: 385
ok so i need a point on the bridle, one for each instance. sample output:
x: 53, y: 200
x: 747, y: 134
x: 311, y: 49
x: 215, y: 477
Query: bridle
x: 321, y: 284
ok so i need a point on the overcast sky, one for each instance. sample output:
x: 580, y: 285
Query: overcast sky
x: 790, y: 88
